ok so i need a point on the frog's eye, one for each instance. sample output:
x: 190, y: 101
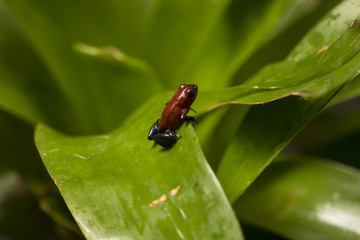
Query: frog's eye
x: 192, y: 94
x: 182, y: 86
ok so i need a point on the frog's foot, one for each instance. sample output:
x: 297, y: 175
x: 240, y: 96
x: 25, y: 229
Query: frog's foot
x: 190, y: 118
x: 166, y: 139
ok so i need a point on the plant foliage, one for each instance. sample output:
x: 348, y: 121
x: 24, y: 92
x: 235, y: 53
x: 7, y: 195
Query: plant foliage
x: 91, y: 77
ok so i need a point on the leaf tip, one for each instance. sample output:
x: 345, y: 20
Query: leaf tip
x: 106, y: 51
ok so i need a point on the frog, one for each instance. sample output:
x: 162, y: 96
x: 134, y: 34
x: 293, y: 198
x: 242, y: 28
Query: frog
x: 163, y: 131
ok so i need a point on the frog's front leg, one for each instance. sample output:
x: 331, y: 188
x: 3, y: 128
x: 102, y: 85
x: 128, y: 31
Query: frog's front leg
x: 187, y: 118
x: 166, y: 139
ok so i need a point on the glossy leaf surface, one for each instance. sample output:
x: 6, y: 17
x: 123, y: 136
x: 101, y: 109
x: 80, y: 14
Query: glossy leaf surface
x: 306, y: 198
x: 258, y: 141
x: 83, y: 67
x: 122, y: 185
x: 309, y: 78
x: 218, y: 128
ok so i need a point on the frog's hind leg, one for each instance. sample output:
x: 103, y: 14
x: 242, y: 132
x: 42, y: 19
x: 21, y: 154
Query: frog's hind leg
x: 166, y: 139
x: 154, y: 130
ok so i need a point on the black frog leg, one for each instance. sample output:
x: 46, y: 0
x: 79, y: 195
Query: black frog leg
x: 166, y: 139
x: 184, y: 117
x: 190, y: 118
x: 154, y: 130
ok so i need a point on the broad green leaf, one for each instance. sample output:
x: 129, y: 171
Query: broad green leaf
x: 165, y: 34
x: 119, y: 23
x: 121, y: 185
x: 309, y: 78
x: 258, y: 141
x: 125, y: 82
x: 241, y: 29
x: 297, y: 21
x: 26, y: 87
x: 86, y: 81
x: 177, y: 32
x: 327, y: 30
x: 323, y: 34
x: 244, y: 94
x: 217, y: 129
x: 306, y: 198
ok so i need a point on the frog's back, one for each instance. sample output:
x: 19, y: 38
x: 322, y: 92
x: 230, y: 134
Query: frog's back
x: 171, y: 117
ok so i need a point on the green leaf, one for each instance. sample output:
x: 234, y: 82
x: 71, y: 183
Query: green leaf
x: 121, y: 79
x: 92, y: 87
x: 218, y: 128
x: 306, y: 198
x: 177, y: 31
x: 240, y: 30
x: 327, y: 30
x: 257, y: 141
x: 122, y: 185
x: 309, y: 78
x: 260, y: 94
x: 26, y: 87
x: 298, y: 20
x: 244, y: 159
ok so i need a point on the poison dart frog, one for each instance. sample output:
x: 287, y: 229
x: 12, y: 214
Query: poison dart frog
x: 164, y: 129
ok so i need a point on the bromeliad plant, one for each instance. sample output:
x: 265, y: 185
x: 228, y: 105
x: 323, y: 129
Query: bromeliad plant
x: 92, y: 77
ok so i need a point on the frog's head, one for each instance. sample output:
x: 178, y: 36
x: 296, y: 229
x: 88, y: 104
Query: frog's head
x: 188, y: 93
